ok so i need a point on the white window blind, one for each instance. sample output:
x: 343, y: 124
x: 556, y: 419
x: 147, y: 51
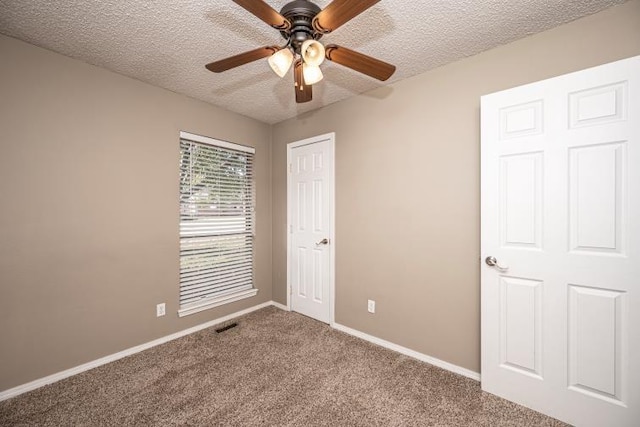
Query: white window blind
x: 216, y: 222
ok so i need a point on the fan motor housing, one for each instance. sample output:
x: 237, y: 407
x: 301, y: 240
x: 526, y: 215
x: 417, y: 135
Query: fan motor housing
x: 300, y: 14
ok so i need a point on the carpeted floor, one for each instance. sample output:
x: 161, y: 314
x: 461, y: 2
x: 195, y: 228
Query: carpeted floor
x: 274, y: 369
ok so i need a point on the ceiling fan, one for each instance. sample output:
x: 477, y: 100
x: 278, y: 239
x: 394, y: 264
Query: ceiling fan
x: 302, y: 23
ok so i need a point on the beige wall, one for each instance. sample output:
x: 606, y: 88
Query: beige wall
x: 89, y: 218
x: 88, y: 183
x: 408, y: 189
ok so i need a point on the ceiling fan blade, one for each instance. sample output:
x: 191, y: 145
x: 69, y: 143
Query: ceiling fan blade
x: 339, y: 12
x: 359, y: 62
x: 265, y: 12
x: 241, y: 59
x: 304, y: 92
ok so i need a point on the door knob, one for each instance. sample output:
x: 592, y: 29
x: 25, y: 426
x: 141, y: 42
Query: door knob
x: 323, y: 242
x: 493, y: 262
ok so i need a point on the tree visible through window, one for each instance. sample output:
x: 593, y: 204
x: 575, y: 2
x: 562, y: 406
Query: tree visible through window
x: 216, y: 222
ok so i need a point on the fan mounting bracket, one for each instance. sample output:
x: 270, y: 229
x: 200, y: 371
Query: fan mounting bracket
x: 300, y: 14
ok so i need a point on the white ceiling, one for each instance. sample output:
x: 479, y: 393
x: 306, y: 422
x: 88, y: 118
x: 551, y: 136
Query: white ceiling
x: 167, y: 42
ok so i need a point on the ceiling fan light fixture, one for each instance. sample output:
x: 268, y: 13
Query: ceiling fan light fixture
x: 312, y: 74
x: 302, y: 23
x: 280, y: 61
x: 312, y: 51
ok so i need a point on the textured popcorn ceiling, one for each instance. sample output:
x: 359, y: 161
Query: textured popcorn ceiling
x: 167, y: 42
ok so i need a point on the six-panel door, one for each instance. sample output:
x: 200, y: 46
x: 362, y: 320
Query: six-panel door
x: 561, y: 210
x: 311, y: 174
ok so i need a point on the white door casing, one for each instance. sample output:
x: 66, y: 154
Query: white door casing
x: 310, y: 225
x: 561, y: 215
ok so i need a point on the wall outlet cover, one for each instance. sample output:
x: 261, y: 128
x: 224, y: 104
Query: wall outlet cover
x: 371, y: 306
x: 160, y: 310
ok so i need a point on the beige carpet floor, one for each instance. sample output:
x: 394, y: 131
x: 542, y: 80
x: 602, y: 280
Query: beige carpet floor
x: 274, y: 369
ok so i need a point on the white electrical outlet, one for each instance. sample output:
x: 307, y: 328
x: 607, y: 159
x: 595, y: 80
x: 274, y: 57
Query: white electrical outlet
x: 371, y: 306
x: 160, y: 310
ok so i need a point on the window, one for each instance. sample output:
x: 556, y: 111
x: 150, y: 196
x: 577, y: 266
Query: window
x: 216, y: 223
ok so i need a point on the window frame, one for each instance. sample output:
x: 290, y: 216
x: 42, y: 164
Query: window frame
x: 225, y: 297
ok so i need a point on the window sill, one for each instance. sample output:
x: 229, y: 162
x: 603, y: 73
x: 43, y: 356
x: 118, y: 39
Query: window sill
x: 215, y: 302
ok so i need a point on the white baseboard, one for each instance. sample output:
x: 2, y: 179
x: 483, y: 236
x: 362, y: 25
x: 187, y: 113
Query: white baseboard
x: 280, y: 306
x: 12, y: 392
x: 15, y: 391
x: 411, y: 353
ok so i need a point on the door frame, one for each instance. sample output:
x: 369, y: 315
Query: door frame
x: 331, y: 138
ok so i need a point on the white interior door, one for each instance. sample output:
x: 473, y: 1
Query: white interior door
x: 561, y: 216
x: 311, y: 240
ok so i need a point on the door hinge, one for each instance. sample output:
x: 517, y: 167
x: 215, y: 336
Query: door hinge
x: 290, y: 228
x: 290, y: 167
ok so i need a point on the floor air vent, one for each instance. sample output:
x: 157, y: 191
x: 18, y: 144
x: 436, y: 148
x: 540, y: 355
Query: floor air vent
x: 227, y: 327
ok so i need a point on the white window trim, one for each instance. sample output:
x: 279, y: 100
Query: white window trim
x: 216, y: 142
x: 215, y: 302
